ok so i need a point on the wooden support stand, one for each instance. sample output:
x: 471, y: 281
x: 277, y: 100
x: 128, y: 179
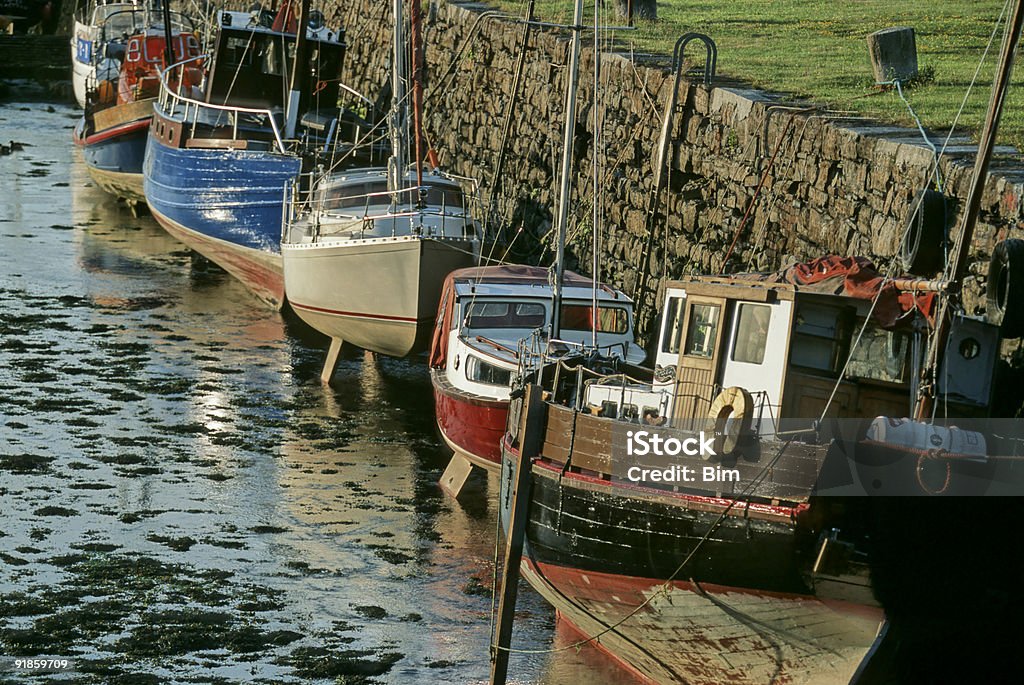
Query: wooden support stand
x: 456, y: 474
x: 332, y: 360
x: 531, y: 434
x: 893, y: 54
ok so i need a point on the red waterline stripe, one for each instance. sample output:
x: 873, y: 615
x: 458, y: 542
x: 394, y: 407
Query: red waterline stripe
x: 119, y: 130
x: 361, y: 315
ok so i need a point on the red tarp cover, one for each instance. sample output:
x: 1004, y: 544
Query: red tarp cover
x: 852, y: 277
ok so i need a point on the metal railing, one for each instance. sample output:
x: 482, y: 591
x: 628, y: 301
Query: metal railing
x: 380, y: 206
x: 170, y: 100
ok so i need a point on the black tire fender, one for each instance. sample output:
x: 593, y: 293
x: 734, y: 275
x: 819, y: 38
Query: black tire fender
x: 922, y: 251
x: 1005, y: 291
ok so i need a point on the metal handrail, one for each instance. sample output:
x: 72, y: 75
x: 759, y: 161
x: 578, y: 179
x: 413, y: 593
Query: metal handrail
x: 168, y: 95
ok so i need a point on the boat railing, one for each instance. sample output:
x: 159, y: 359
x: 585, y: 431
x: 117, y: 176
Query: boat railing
x: 368, y: 208
x: 174, y: 104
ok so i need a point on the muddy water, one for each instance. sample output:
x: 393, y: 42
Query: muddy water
x: 181, y: 500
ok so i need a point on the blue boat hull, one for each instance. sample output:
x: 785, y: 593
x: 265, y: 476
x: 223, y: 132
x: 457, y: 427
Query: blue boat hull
x: 225, y: 204
x: 114, y: 157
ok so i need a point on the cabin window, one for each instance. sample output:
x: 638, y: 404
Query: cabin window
x: 673, y: 333
x: 880, y: 355
x: 751, y: 333
x: 527, y: 315
x: 239, y: 51
x: 702, y: 330
x: 479, y: 371
x: 580, y: 317
x: 821, y: 337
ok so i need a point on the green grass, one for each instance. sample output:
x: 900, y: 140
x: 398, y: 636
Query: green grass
x: 816, y: 49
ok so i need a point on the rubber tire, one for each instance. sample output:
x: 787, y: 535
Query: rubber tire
x: 1005, y: 292
x: 922, y: 252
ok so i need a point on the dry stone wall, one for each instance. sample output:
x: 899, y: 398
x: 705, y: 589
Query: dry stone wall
x: 836, y: 185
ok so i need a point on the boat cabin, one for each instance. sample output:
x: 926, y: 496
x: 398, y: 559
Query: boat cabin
x: 830, y: 348
x: 486, y: 312
x: 251, y: 61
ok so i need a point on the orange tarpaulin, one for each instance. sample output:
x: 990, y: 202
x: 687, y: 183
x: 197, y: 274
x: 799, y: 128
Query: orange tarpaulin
x: 853, y: 277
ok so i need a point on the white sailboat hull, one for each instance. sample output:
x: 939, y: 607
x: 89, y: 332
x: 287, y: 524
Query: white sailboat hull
x: 380, y: 294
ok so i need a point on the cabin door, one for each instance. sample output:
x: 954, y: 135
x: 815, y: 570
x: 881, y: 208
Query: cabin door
x: 699, y: 355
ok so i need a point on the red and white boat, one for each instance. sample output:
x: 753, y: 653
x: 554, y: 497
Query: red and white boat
x: 485, y: 315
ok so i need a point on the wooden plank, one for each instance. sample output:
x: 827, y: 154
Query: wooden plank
x: 217, y: 143
x: 122, y: 114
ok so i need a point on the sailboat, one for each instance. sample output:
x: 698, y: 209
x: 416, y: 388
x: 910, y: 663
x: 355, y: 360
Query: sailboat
x: 366, y: 255
x: 98, y: 25
x: 232, y: 131
x: 709, y: 520
x: 120, y: 94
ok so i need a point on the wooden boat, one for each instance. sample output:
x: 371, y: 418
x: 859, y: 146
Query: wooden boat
x: 219, y: 159
x: 365, y: 257
x: 709, y: 521
x: 485, y: 317
x: 119, y: 99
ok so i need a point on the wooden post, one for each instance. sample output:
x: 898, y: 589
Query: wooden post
x: 531, y: 432
x: 630, y: 9
x: 332, y: 360
x: 893, y: 54
x: 455, y: 475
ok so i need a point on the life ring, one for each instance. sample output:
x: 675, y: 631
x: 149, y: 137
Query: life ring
x: 732, y: 412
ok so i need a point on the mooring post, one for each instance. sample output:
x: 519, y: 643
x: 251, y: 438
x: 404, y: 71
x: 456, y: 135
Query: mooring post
x: 332, y: 360
x: 455, y: 475
x: 531, y: 434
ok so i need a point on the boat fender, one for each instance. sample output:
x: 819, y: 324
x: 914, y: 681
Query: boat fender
x: 1005, y: 290
x: 732, y: 412
x: 923, y: 249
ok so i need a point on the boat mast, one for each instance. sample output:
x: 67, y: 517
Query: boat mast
x: 299, y: 71
x: 396, y: 118
x: 940, y: 336
x: 562, y: 218
x: 165, y: 5
x: 416, y: 48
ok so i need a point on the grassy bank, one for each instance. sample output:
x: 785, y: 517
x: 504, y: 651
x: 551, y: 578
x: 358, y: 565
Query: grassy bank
x: 816, y: 49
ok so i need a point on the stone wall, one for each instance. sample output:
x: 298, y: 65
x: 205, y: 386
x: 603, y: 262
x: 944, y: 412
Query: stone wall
x: 837, y: 185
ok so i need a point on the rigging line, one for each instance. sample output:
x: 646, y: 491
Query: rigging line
x: 664, y: 586
x: 757, y: 190
x: 924, y: 134
x: 974, y: 79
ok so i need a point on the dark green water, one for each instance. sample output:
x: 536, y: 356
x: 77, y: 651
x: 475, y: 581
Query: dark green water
x: 182, y: 501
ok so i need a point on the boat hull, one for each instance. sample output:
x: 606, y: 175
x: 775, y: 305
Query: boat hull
x: 684, y: 586
x: 114, y: 157
x: 380, y: 294
x: 259, y: 270
x: 472, y: 426
x: 226, y: 205
x: 704, y: 634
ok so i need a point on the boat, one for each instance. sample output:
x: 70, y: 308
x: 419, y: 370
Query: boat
x: 98, y: 24
x: 366, y: 253
x: 485, y: 316
x: 220, y: 155
x: 761, y: 506
x: 122, y: 91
